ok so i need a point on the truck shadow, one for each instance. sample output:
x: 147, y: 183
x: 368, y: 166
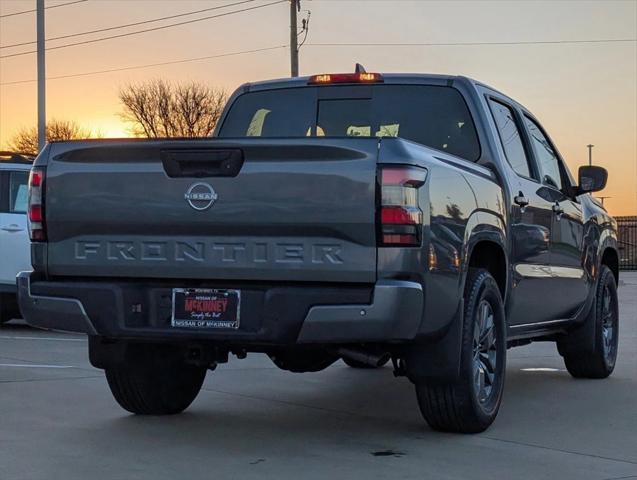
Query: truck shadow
x: 365, y: 411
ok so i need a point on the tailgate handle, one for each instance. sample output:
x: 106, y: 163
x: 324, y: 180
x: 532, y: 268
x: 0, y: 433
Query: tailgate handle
x: 217, y: 162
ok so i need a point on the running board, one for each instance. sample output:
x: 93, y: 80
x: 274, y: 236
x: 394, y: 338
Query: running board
x: 538, y: 330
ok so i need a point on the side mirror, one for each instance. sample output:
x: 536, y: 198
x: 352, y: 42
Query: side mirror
x: 591, y: 179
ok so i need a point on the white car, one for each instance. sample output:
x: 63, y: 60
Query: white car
x: 15, y: 250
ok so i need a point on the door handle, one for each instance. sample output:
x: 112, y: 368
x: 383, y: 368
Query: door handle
x: 521, y: 200
x: 558, y: 210
x: 12, y: 228
x: 201, y: 163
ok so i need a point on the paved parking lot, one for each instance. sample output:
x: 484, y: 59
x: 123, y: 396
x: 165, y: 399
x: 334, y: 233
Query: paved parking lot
x: 58, y: 420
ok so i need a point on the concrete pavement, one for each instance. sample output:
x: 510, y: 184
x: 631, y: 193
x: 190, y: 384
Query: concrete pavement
x: 58, y: 420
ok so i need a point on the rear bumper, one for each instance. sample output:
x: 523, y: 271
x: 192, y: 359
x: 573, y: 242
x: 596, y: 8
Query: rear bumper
x: 388, y: 311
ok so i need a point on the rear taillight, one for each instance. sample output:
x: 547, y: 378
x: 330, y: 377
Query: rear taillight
x: 400, y: 216
x: 37, y: 231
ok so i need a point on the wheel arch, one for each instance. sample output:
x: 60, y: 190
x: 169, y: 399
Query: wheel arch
x: 610, y: 258
x: 608, y: 252
x: 484, y: 240
x: 485, y: 247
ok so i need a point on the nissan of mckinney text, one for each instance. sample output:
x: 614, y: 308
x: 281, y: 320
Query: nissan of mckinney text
x: 425, y: 220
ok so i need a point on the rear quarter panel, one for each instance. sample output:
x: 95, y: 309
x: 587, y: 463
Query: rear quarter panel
x: 462, y: 203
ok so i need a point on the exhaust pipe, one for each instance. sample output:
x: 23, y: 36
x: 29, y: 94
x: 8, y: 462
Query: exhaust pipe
x: 362, y: 356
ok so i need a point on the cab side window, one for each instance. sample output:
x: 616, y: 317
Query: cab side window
x: 547, y: 159
x: 510, y: 138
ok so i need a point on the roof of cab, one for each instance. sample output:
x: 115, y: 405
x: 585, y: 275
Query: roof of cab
x: 396, y: 78
x: 392, y: 78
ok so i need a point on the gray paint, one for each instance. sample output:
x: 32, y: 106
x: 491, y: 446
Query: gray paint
x: 65, y: 314
x: 393, y: 315
x: 113, y: 212
x: 285, y: 216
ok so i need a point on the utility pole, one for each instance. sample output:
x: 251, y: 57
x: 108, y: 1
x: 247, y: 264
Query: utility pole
x: 41, y: 75
x: 590, y: 154
x: 295, y: 6
x: 602, y: 198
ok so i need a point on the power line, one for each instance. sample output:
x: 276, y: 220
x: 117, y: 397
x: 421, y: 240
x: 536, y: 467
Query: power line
x: 148, y: 29
x: 305, y: 28
x: 88, y: 32
x: 32, y: 11
x: 462, y: 44
x: 135, y: 67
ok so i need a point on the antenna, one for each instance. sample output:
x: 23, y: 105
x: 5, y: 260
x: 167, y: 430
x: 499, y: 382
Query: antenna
x: 359, y: 69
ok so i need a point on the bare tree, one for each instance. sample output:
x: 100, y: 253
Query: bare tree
x: 161, y: 109
x: 26, y: 140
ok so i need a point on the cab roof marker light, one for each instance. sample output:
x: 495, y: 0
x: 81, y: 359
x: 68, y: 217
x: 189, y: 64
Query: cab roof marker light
x: 332, y: 78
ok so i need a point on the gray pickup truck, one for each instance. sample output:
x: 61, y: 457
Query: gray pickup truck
x: 425, y: 219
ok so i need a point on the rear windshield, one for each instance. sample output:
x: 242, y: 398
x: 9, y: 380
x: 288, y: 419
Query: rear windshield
x: 434, y: 116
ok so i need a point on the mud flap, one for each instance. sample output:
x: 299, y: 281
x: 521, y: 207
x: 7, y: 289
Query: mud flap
x: 439, y: 359
x: 582, y: 333
x: 104, y: 353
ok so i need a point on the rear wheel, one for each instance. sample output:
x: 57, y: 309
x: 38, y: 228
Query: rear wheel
x: 470, y: 402
x: 591, y: 350
x: 156, y: 381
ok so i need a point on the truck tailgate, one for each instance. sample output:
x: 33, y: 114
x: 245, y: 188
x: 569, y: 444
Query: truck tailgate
x: 281, y: 209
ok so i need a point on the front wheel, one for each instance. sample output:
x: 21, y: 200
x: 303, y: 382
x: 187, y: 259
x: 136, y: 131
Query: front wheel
x: 470, y: 402
x: 591, y: 350
x: 155, y: 382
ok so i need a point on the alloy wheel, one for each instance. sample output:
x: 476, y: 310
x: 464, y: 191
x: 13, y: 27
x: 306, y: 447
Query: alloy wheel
x: 485, y: 355
x: 608, y: 325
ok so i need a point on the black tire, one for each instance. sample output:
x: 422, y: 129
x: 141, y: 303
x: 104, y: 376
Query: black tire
x: 4, y: 314
x: 8, y: 307
x: 361, y: 365
x: 158, y: 383
x: 591, y: 350
x: 470, y: 402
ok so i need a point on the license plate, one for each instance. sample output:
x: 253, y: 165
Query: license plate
x: 205, y: 308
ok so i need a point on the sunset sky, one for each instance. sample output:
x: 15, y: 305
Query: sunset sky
x: 583, y: 93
